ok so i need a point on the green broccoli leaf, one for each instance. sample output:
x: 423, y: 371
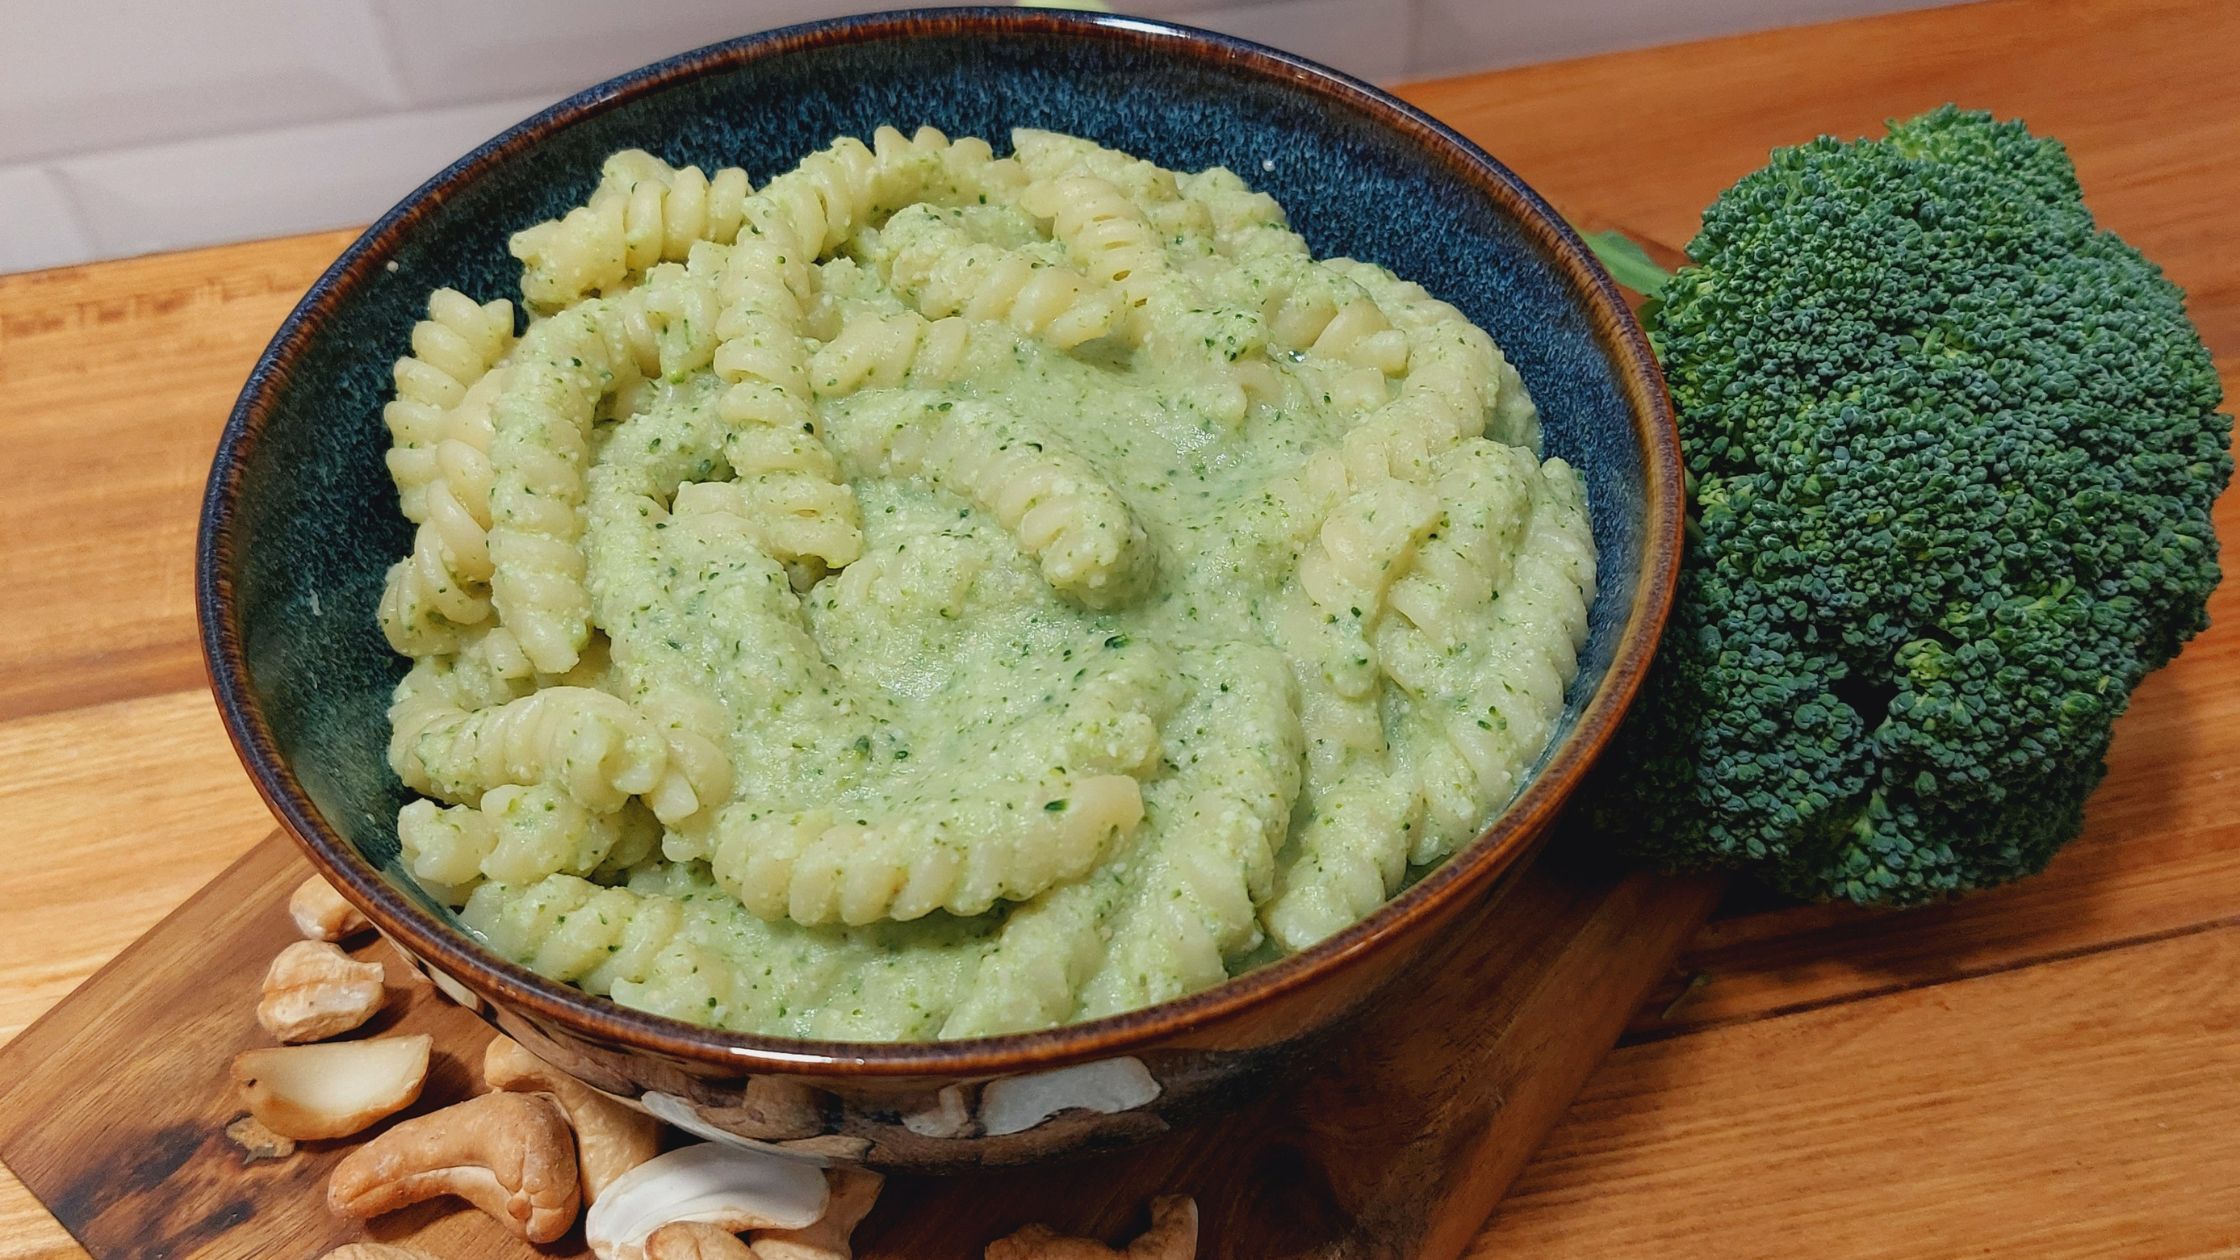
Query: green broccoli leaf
x: 1627, y: 263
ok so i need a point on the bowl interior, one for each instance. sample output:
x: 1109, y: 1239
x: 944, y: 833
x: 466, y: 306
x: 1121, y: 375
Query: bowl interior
x: 303, y: 517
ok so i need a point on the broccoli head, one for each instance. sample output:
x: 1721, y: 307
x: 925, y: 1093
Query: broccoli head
x: 1952, y: 451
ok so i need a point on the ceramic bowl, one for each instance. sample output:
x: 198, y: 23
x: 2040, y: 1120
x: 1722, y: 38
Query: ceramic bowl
x: 300, y: 523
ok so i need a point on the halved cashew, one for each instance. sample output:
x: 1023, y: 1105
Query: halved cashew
x: 696, y: 1240
x: 321, y: 914
x: 333, y: 1089
x: 508, y: 1154
x: 1173, y: 1236
x: 314, y: 991
x: 611, y: 1138
x: 853, y: 1191
x: 726, y: 1186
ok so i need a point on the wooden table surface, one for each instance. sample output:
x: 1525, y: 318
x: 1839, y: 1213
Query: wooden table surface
x: 2048, y: 1070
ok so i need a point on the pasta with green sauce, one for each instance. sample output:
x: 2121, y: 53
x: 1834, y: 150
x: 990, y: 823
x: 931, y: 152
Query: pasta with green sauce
x: 937, y: 594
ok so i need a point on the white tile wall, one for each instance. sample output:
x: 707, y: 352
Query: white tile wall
x: 38, y: 225
x: 77, y: 77
x: 452, y: 51
x: 140, y: 125
x: 296, y: 179
x: 1369, y: 38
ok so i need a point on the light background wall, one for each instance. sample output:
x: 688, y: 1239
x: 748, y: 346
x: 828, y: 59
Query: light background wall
x: 130, y: 126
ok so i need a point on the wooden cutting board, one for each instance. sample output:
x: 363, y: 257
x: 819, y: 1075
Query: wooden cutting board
x: 1398, y: 1143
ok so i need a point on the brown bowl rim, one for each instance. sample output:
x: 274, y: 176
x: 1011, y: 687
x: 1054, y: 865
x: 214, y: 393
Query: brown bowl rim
x: 1468, y: 872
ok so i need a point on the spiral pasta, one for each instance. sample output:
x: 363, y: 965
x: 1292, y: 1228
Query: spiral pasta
x: 1325, y: 320
x: 695, y: 728
x: 609, y: 940
x: 668, y: 941
x: 541, y: 434
x: 959, y: 171
x: 942, y: 594
x: 715, y: 568
x: 1033, y: 972
x: 1478, y: 708
x: 1103, y: 231
x: 594, y: 745
x: 888, y: 352
x: 1043, y: 156
x: 440, y: 421
x: 644, y: 211
x: 930, y: 260
x: 1246, y: 224
x: 1486, y: 703
x: 1076, y: 525
x: 665, y: 328
x: 1326, y: 626
x: 1445, y: 336
x: 452, y: 349
x: 1007, y: 840
x: 1195, y: 903
x: 774, y: 444
x: 666, y: 447
x: 798, y: 217
x: 518, y: 835
x: 960, y: 844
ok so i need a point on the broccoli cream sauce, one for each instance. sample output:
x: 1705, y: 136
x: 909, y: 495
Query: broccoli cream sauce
x: 1124, y: 691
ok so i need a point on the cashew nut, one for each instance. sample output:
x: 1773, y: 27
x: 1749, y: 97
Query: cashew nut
x: 611, y: 1138
x: 853, y: 1191
x: 508, y: 1154
x: 1173, y: 1236
x: 695, y: 1240
x: 314, y: 991
x: 333, y: 1089
x: 321, y: 914
x: 726, y: 1186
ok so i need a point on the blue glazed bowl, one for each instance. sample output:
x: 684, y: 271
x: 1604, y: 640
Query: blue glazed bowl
x: 300, y: 523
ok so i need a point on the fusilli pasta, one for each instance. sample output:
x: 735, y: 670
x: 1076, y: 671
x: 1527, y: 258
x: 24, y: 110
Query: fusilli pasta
x: 1076, y: 524
x: 440, y: 421
x: 931, y: 261
x: 518, y: 835
x: 644, y: 211
x: 941, y: 594
x: 1103, y: 231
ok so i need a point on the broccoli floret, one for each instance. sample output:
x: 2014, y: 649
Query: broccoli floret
x: 1952, y: 451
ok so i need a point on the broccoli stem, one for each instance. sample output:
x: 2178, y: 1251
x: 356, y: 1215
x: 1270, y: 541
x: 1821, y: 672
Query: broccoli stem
x: 1628, y: 263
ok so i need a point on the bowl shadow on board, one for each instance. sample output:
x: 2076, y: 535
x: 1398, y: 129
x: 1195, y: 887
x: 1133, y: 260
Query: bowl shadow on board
x: 300, y: 524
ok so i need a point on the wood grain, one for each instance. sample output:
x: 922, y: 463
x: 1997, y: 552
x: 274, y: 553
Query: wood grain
x: 1768, y: 1134
x: 118, y: 378
x: 2078, y: 1108
x: 126, y: 370
x: 1397, y: 1139
x: 2141, y: 90
x: 146, y: 787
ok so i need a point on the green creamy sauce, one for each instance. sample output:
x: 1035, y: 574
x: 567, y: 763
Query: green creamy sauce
x: 1156, y: 653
